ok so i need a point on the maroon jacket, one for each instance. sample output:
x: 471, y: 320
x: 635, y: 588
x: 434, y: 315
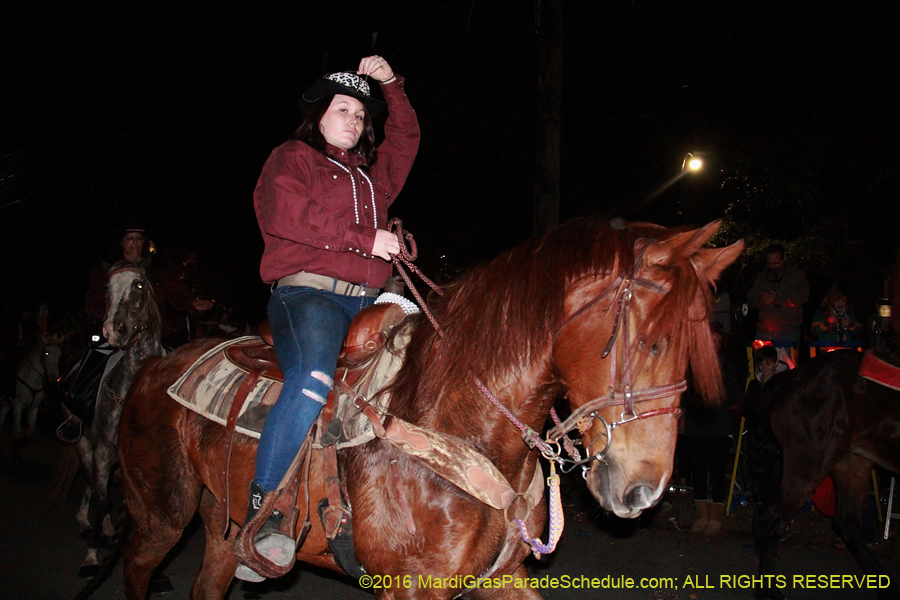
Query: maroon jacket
x: 316, y: 211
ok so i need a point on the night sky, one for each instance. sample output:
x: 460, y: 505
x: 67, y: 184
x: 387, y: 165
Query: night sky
x: 169, y: 111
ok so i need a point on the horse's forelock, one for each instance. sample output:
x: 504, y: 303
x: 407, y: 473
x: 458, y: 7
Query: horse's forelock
x: 681, y: 317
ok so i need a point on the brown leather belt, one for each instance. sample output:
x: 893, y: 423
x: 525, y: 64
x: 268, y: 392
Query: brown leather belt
x: 329, y: 284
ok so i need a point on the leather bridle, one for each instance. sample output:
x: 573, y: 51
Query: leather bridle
x: 623, y: 287
x: 144, y: 321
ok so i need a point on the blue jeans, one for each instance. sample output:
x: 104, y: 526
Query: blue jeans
x: 308, y: 328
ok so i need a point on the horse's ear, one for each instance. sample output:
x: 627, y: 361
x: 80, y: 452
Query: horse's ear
x: 681, y: 246
x: 710, y: 262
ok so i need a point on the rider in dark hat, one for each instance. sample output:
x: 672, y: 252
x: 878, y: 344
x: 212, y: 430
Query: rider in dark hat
x: 173, y: 299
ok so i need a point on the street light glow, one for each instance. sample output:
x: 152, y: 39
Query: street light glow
x: 691, y: 163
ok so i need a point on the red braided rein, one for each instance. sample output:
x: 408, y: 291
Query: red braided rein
x: 405, y: 257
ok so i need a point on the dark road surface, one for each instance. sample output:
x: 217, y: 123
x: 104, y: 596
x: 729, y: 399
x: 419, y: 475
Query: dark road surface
x: 41, y: 556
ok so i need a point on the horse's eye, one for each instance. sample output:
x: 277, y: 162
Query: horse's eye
x: 654, y: 349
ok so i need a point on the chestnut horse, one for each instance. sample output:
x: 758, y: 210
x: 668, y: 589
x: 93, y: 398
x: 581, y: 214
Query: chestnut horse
x: 821, y: 418
x: 607, y: 316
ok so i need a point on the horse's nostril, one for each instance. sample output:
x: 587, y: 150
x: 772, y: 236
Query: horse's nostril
x: 639, y: 497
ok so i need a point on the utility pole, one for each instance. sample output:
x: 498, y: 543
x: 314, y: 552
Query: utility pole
x: 549, y: 25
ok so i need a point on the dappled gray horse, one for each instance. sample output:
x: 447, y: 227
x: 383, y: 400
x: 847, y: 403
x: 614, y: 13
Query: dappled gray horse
x: 132, y: 324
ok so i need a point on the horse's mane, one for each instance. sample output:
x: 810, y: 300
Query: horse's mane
x: 504, y: 314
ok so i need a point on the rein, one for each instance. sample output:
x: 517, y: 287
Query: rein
x: 406, y: 256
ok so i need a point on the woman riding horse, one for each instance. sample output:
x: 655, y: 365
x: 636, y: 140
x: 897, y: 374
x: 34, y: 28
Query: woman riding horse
x: 321, y: 202
x: 607, y: 317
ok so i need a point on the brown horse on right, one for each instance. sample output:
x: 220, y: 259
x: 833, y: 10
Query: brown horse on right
x: 823, y: 418
x: 606, y: 316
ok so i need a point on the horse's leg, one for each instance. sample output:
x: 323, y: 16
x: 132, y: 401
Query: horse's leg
x: 103, y: 458
x: 18, y: 405
x: 784, y: 491
x: 150, y: 541
x: 87, y: 526
x: 85, y: 453
x: 33, y: 412
x: 97, y: 499
x: 154, y: 533
x: 219, y: 561
x: 162, y: 493
x: 852, y: 480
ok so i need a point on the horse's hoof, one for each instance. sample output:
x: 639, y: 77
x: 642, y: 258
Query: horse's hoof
x: 160, y: 584
x: 245, y: 573
x: 88, y: 570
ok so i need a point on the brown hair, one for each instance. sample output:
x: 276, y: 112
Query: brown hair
x: 309, y: 132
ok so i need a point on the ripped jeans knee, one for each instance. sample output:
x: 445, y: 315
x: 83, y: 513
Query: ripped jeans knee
x: 320, y: 392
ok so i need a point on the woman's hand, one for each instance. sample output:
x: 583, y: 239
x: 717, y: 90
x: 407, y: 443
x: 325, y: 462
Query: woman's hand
x: 376, y: 67
x: 386, y: 244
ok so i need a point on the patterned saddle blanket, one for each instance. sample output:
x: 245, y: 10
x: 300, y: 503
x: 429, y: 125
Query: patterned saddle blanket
x: 880, y: 371
x: 213, y: 382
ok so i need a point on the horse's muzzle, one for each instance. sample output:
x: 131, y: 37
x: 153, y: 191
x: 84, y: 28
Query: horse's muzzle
x: 615, y: 493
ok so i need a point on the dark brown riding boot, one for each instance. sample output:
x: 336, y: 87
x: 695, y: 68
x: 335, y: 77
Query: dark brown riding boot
x: 269, y: 541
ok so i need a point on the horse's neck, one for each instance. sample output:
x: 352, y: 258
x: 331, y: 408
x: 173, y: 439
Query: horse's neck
x: 32, y: 366
x: 146, y: 347
x: 526, y: 401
